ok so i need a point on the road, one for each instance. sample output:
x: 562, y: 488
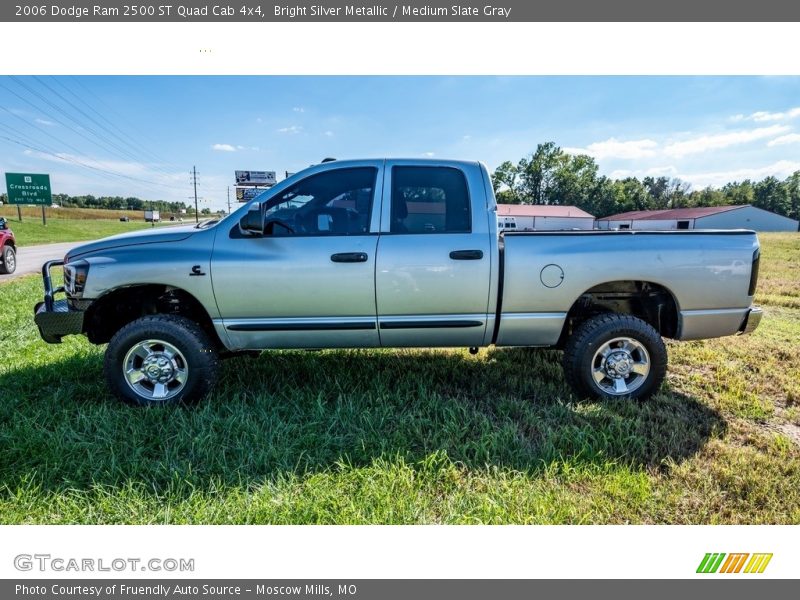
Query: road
x: 31, y: 258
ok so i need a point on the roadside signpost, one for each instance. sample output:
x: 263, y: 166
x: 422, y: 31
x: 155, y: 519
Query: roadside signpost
x: 29, y: 188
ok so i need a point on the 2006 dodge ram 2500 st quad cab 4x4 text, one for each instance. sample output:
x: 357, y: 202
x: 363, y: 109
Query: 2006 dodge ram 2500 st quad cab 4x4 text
x: 394, y: 253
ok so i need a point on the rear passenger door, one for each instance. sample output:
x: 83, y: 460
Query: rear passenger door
x: 434, y: 258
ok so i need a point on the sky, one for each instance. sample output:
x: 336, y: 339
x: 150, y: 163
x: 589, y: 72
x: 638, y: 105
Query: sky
x: 141, y: 136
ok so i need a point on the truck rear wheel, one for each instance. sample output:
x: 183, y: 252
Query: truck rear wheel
x: 161, y: 359
x: 613, y: 356
x: 8, y: 260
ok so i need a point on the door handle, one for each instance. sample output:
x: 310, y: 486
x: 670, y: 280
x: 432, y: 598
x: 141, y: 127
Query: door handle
x: 466, y: 254
x: 349, y: 257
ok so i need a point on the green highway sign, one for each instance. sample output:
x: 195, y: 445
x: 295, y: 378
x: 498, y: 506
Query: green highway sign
x: 28, y: 188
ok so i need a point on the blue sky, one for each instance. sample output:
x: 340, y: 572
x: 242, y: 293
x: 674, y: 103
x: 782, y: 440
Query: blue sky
x: 140, y: 136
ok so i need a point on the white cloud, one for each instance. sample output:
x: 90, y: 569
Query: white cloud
x: 780, y: 169
x: 614, y: 148
x: 721, y: 140
x: 762, y: 116
x: 659, y: 171
x: 428, y: 154
x: 329, y: 133
x: 292, y: 129
x: 223, y: 147
x: 466, y: 138
x: 668, y: 170
x: 298, y: 109
x: 791, y: 138
x: 44, y: 122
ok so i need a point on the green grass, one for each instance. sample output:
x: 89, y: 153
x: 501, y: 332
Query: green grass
x: 408, y: 436
x: 31, y: 232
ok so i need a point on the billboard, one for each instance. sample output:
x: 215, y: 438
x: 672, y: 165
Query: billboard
x: 255, y: 178
x: 245, y: 194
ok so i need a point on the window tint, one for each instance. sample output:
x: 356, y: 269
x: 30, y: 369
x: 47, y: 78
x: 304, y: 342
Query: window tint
x: 331, y: 203
x: 429, y: 200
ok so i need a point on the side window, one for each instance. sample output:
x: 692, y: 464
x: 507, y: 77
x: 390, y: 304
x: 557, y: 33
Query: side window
x: 331, y: 203
x: 429, y: 200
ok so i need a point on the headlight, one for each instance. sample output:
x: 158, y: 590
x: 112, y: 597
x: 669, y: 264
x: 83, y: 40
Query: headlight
x: 75, y: 275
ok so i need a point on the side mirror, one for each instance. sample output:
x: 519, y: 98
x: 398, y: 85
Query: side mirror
x: 253, y: 222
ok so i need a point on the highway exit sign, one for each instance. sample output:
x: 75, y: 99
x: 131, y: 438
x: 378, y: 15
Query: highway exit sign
x: 28, y: 188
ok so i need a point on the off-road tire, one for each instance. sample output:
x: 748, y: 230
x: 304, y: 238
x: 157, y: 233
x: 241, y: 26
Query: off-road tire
x: 591, y: 335
x: 8, y: 264
x: 195, y: 345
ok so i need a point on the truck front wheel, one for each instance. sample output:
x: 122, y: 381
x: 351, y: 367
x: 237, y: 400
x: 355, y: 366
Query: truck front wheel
x: 613, y: 355
x: 159, y: 360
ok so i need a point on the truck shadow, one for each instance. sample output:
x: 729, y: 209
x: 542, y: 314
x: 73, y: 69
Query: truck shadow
x: 288, y: 413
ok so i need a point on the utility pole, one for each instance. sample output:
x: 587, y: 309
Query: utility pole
x: 194, y: 182
x: 229, y: 199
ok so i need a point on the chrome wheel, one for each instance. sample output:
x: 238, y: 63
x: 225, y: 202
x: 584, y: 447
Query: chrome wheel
x: 155, y: 370
x: 11, y: 262
x: 620, y: 366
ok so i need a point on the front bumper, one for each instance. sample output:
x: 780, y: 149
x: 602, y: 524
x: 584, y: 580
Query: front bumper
x: 751, y: 320
x: 55, y: 318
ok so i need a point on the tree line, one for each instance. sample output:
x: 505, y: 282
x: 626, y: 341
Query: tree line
x: 119, y: 203
x: 115, y: 203
x: 552, y: 176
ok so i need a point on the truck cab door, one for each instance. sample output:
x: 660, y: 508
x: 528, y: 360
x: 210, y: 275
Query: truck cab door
x: 434, y: 271
x: 309, y: 281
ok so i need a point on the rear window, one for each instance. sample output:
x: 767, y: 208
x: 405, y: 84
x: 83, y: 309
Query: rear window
x: 429, y: 200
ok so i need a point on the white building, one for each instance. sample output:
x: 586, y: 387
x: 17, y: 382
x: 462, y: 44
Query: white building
x: 743, y: 216
x: 541, y: 217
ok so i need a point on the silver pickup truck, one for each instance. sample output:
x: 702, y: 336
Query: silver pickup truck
x: 394, y: 253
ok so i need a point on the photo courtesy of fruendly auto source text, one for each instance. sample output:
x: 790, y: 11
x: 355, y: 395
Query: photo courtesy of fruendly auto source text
x: 414, y: 300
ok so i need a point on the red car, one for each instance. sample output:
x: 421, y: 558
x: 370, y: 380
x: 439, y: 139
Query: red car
x: 8, y: 249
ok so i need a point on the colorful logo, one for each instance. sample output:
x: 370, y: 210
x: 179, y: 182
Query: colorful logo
x: 719, y: 562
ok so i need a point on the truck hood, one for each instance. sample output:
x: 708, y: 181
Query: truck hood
x: 133, y: 238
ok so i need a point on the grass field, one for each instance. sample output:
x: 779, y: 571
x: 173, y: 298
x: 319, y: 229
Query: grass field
x: 33, y: 213
x: 413, y: 436
x: 30, y: 233
x: 71, y: 224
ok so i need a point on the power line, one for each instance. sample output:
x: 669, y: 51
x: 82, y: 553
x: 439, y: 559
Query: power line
x: 47, y: 133
x: 119, y: 117
x: 101, y: 140
x: 103, y: 127
x: 49, y: 150
x: 133, y: 142
x: 109, y: 145
x: 68, y: 158
x: 194, y: 182
x: 59, y: 140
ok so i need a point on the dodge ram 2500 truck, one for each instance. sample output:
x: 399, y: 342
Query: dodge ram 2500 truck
x: 394, y: 253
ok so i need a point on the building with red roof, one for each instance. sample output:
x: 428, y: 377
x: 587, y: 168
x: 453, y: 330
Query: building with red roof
x: 742, y: 216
